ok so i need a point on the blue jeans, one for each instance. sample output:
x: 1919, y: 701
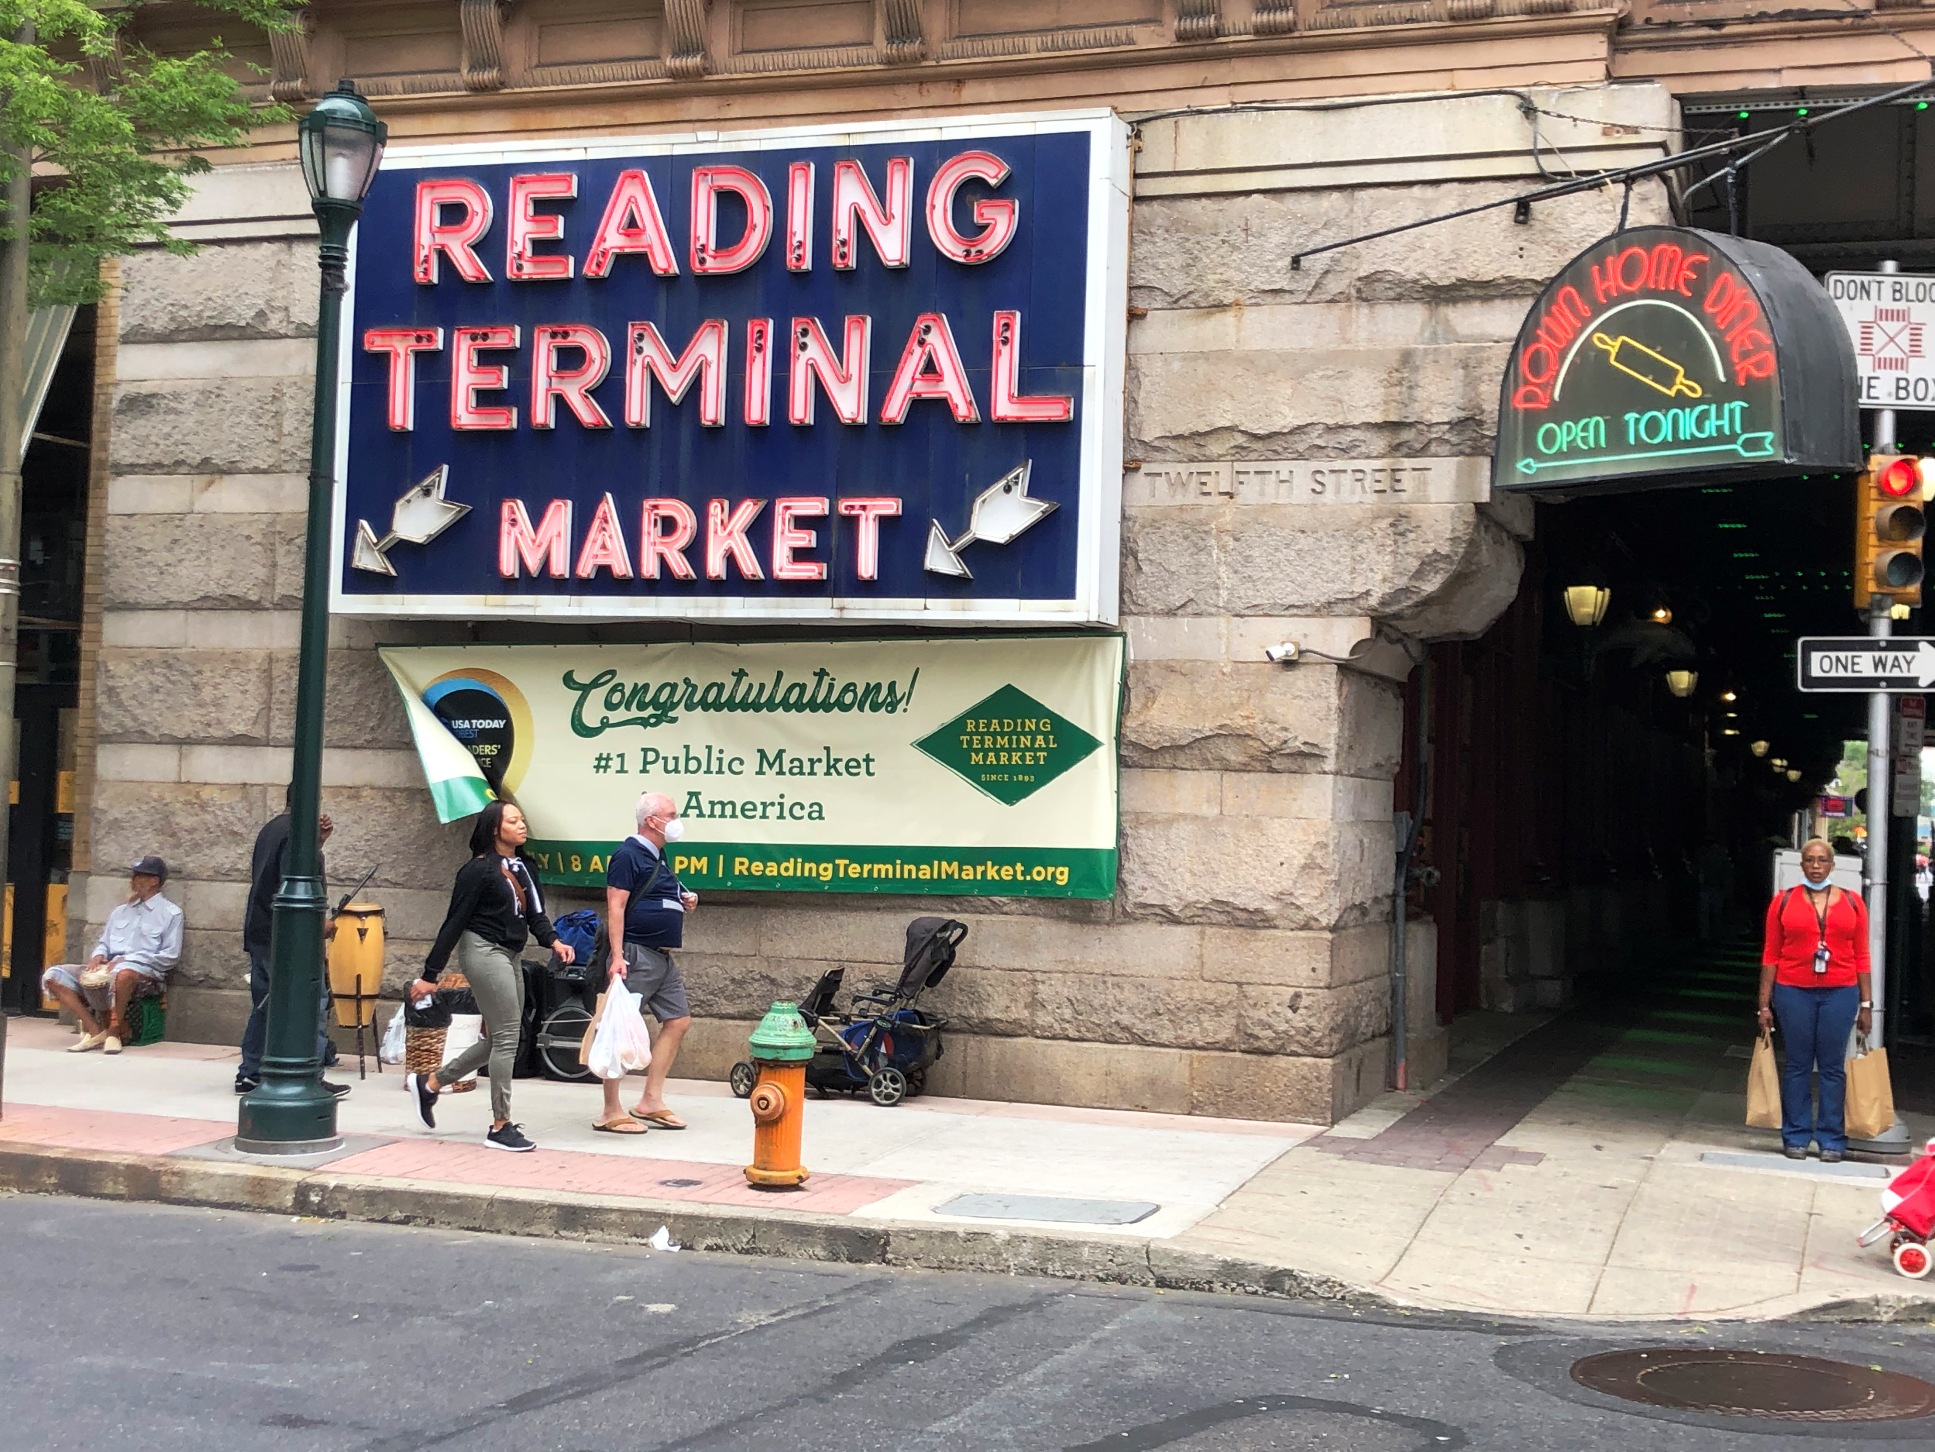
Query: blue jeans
x: 257, y: 1029
x: 1814, y: 1028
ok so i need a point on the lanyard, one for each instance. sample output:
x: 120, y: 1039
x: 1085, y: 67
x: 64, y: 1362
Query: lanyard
x: 1820, y: 918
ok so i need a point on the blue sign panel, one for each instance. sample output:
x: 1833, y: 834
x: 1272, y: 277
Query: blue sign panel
x: 868, y: 373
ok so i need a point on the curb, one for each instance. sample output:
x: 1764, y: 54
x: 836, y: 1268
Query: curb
x: 318, y: 1194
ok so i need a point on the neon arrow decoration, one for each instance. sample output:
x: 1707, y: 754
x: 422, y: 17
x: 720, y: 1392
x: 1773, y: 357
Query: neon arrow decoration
x: 1747, y: 446
x: 1001, y: 513
x: 419, y: 517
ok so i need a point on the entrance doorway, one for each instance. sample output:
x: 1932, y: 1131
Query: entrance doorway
x: 53, y: 562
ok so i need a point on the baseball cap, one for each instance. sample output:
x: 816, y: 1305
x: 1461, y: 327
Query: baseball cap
x: 151, y: 866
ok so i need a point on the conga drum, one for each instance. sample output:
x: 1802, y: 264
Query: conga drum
x: 356, y: 964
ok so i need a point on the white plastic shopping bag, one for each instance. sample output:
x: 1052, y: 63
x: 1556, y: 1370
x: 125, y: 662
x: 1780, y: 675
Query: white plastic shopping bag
x: 465, y: 1029
x: 621, y: 1045
x: 393, y: 1040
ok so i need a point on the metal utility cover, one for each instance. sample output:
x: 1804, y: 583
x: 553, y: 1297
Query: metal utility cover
x: 1049, y: 1207
x: 1755, y: 1384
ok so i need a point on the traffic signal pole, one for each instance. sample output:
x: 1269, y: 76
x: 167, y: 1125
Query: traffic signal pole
x: 1881, y: 801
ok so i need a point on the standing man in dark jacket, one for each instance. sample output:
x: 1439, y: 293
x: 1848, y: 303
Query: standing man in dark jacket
x: 265, y: 878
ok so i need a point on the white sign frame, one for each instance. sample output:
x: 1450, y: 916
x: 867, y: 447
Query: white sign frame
x: 1097, y: 596
x: 1860, y: 297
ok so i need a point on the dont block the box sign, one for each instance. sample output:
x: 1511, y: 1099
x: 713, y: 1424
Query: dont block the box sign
x: 872, y: 373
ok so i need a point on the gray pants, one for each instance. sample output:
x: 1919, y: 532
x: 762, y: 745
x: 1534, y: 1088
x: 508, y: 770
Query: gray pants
x: 498, y: 985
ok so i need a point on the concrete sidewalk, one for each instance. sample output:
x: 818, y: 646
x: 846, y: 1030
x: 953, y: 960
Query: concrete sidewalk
x: 1585, y: 1168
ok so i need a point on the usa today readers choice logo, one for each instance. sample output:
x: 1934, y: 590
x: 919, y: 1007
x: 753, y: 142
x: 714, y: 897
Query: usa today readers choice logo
x: 970, y: 766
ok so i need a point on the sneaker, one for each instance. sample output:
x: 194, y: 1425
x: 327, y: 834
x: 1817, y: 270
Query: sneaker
x: 1832, y: 1157
x: 111, y: 1044
x: 510, y: 1137
x: 339, y: 1090
x: 246, y: 1083
x: 419, y: 1085
x: 1795, y: 1151
x: 88, y: 1041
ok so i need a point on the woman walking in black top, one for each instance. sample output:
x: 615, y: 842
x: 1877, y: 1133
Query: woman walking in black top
x: 494, y: 907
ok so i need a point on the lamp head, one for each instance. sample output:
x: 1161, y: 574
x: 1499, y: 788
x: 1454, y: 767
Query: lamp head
x: 1585, y: 605
x: 340, y: 143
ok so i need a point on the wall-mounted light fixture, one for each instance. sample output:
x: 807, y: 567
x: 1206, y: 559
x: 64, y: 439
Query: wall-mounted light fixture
x: 1585, y: 605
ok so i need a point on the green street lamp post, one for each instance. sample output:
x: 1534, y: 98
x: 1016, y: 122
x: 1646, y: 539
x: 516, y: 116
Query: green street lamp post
x: 340, y: 143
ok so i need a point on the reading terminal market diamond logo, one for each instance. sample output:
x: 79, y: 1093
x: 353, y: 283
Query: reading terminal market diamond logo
x: 1009, y: 745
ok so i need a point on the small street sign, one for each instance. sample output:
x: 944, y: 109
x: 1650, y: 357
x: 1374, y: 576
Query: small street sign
x: 1900, y: 663
x: 1891, y: 318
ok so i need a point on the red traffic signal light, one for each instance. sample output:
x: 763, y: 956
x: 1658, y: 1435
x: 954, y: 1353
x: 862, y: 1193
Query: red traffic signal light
x: 1888, y: 529
x: 1897, y: 478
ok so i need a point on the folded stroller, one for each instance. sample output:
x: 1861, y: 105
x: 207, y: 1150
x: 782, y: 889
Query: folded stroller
x: 884, y: 1044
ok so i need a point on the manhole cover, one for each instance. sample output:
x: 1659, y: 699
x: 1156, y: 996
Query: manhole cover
x: 1749, y: 1384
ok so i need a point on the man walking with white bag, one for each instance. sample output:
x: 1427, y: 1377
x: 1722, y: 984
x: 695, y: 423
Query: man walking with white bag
x: 645, y: 908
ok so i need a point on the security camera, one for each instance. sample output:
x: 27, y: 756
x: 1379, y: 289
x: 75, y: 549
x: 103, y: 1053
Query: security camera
x: 1285, y: 652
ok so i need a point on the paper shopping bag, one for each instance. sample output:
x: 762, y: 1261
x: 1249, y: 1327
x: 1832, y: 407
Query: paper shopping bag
x: 1871, y: 1097
x: 1763, y: 1086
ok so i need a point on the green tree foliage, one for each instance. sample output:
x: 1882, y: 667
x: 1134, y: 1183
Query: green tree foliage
x: 110, y: 128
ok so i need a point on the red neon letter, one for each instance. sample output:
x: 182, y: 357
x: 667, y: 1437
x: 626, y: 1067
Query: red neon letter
x: 789, y: 537
x: 725, y: 534
x: 468, y: 378
x: 996, y: 215
x: 707, y: 255
x: 647, y: 357
x: 759, y: 372
x: 403, y: 344
x: 930, y: 346
x: 604, y: 546
x: 1005, y: 405
x: 549, y: 382
x: 890, y: 224
x: 632, y: 223
x: 527, y: 226
x: 654, y: 546
x: 456, y: 240
x: 866, y: 512
x: 545, y: 549
x: 799, y: 217
x: 844, y: 379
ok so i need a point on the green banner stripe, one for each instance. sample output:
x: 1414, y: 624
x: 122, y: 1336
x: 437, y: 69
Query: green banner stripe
x: 759, y: 866
x: 459, y: 796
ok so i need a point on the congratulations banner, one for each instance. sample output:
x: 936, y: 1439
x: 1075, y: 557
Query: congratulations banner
x: 961, y: 766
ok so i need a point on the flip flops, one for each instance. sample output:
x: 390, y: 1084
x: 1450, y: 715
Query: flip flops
x: 618, y: 1126
x: 658, y: 1119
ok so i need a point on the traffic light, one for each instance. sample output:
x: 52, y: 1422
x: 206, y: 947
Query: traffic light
x: 1888, y: 528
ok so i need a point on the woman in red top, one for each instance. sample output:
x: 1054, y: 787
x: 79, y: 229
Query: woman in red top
x: 1814, y: 979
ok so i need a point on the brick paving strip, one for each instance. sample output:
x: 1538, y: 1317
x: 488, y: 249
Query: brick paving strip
x: 1459, y: 1127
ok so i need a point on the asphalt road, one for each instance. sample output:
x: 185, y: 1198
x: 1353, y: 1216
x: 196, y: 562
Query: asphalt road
x: 152, y: 1328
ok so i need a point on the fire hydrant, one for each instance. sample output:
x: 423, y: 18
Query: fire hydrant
x: 781, y: 1047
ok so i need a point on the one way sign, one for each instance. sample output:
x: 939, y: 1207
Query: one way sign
x: 1863, y: 663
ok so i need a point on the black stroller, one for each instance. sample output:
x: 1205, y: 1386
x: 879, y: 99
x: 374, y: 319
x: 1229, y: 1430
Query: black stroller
x: 885, y: 1043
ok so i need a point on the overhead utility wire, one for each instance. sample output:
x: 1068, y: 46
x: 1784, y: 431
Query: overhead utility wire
x: 1758, y: 144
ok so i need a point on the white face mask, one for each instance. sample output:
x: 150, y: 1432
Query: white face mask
x: 673, y: 830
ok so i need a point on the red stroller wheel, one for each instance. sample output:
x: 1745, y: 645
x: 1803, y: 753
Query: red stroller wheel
x: 1912, y: 1259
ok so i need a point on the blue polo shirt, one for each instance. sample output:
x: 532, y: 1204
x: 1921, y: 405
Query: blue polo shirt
x: 654, y: 916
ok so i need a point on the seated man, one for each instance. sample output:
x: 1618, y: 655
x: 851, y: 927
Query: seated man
x: 139, y: 945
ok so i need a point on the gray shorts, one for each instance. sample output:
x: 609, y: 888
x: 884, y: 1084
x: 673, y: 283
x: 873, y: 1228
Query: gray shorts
x: 652, y: 972
x: 68, y: 975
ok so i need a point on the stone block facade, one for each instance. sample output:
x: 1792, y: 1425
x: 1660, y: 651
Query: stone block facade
x: 1243, y: 967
